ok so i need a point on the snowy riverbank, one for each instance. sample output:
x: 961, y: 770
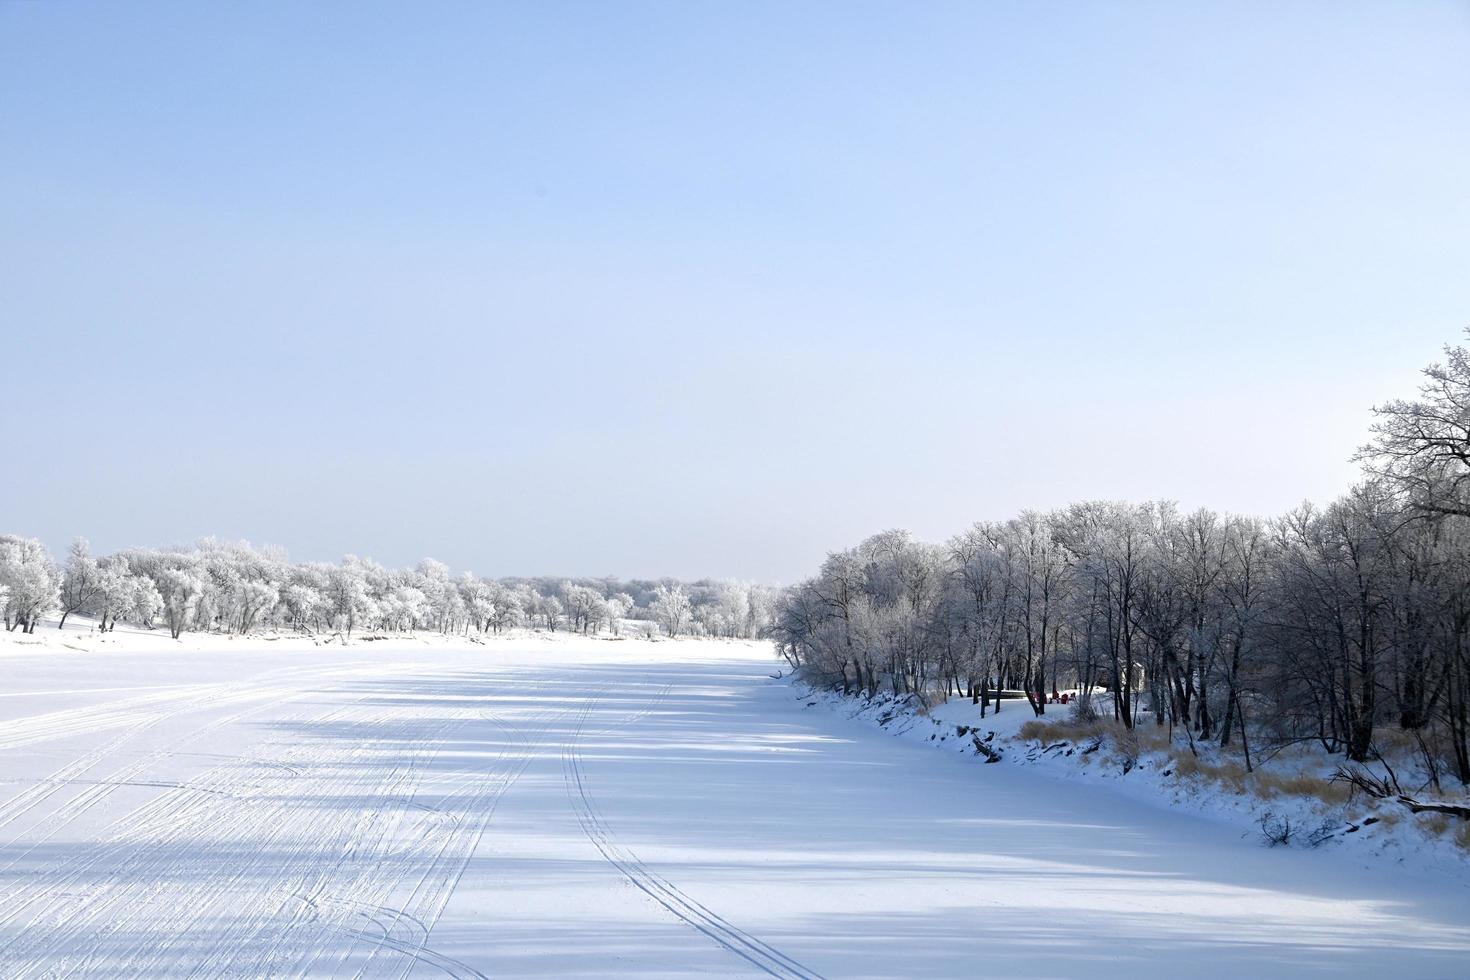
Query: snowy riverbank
x: 1290, y: 795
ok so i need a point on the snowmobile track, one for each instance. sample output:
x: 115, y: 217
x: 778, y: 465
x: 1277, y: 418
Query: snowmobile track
x: 754, y: 951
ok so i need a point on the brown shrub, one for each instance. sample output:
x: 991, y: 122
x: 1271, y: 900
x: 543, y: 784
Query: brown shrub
x: 1437, y: 824
x: 1048, y: 732
x: 1262, y: 783
x: 1269, y: 784
x: 1228, y: 772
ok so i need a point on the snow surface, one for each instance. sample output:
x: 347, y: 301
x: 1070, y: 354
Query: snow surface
x: 577, y: 807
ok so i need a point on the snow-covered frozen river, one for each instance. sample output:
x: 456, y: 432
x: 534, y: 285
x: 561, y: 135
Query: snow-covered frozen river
x: 592, y: 808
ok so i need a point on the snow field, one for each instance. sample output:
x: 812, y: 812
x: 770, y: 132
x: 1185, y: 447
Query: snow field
x: 559, y: 806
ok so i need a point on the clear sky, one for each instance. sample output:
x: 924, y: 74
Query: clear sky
x: 707, y: 288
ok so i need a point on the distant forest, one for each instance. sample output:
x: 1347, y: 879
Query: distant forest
x: 237, y: 588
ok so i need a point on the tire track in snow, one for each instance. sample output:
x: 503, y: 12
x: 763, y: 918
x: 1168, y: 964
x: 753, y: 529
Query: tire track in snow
x: 28, y: 730
x: 180, y: 701
x: 292, y: 941
x: 91, y: 719
x: 759, y: 954
x: 334, y: 888
x: 138, y: 853
x: 255, y: 899
x: 61, y: 879
x: 97, y: 790
x: 480, y: 808
x: 476, y: 794
x: 272, y: 849
x: 638, y: 715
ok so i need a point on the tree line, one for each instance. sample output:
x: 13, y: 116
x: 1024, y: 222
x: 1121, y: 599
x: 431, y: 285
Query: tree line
x: 237, y: 588
x: 1326, y: 624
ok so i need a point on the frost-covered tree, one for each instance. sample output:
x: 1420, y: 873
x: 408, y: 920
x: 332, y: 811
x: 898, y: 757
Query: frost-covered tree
x: 31, y: 583
x: 301, y: 602
x: 477, y: 597
x: 116, y: 593
x: 181, y: 589
x: 506, y: 609
x: 145, y: 602
x: 404, y: 608
x: 586, y: 609
x: 443, y: 607
x: 80, y: 580
x: 347, y: 600
x: 251, y: 600
x: 619, y: 606
x: 551, y: 611
x: 1421, y: 446
x: 671, y: 609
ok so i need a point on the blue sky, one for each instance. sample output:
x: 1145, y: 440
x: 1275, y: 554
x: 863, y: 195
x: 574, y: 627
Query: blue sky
x: 679, y: 288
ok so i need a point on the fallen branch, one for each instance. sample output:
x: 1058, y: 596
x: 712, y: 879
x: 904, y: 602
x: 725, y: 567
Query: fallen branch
x: 991, y: 755
x: 1453, y: 809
